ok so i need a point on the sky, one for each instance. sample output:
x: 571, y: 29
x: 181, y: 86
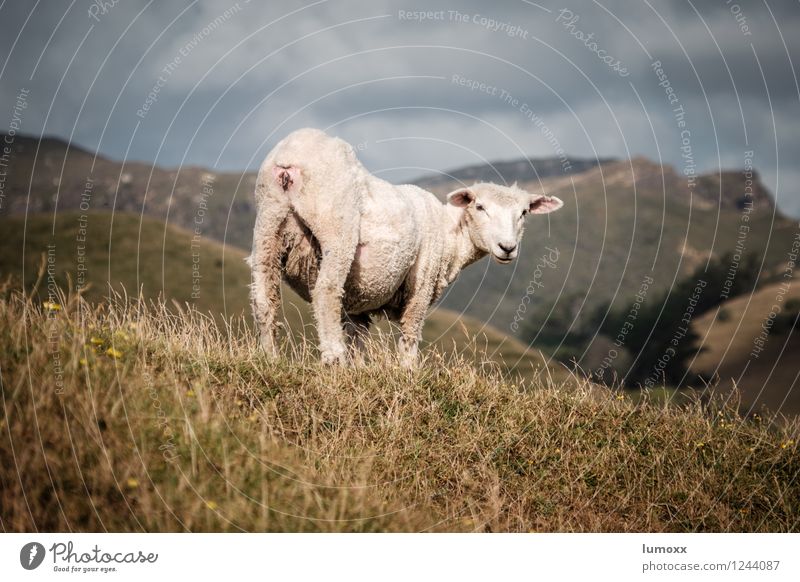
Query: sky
x: 417, y: 87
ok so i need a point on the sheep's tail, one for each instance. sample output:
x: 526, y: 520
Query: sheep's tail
x: 286, y: 177
x: 311, y: 160
x: 277, y: 181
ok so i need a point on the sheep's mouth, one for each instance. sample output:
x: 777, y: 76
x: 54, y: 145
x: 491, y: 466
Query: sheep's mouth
x: 502, y: 260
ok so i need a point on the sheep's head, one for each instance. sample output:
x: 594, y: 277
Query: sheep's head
x: 495, y: 216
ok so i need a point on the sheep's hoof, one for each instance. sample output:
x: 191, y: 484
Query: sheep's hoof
x: 268, y: 346
x: 408, y: 355
x: 334, y: 358
x: 409, y: 362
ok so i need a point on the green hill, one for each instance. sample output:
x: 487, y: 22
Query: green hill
x: 125, y: 253
x: 770, y: 378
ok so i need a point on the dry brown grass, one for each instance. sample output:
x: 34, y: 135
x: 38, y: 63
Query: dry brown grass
x: 770, y: 380
x: 186, y: 426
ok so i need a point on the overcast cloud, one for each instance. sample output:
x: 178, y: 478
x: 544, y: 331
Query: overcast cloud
x: 234, y: 77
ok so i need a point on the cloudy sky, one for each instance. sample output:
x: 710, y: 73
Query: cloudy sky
x: 218, y: 83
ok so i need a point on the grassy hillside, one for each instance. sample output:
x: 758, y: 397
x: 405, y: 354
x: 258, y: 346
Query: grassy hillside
x: 135, y: 253
x: 124, y: 253
x: 771, y: 379
x: 130, y: 418
x: 53, y: 176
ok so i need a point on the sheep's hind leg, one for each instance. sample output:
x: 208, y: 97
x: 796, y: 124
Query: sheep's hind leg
x: 338, y: 244
x: 265, y: 293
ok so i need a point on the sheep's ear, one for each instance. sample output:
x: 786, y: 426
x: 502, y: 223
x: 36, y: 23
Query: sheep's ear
x: 461, y: 197
x: 544, y: 204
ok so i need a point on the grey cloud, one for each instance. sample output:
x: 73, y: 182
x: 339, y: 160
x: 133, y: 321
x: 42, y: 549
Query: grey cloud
x: 347, y: 75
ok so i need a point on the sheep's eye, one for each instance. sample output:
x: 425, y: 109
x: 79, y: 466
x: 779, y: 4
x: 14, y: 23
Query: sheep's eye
x: 524, y: 212
x: 479, y: 207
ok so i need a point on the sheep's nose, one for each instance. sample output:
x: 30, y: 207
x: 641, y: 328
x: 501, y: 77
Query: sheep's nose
x: 507, y: 248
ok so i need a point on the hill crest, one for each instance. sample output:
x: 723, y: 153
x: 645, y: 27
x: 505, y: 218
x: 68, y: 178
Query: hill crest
x: 724, y: 189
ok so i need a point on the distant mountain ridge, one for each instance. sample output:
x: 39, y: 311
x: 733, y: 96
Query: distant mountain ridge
x: 724, y: 188
x: 521, y: 170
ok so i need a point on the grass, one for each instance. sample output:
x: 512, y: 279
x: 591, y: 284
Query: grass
x: 125, y: 252
x: 132, y: 417
x: 728, y: 334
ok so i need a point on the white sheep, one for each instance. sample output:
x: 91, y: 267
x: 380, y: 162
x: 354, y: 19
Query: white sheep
x: 356, y: 246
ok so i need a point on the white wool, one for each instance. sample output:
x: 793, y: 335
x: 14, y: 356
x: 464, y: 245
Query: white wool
x: 356, y: 246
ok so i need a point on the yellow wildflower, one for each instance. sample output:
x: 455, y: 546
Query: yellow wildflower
x: 96, y: 341
x: 190, y: 393
x: 211, y: 505
x: 114, y: 353
x: 51, y: 306
x: 132, y: 483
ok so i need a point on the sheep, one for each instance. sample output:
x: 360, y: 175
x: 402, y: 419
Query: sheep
x: 356, y: 246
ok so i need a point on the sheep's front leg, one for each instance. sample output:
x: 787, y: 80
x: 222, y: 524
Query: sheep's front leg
x: 411, y: 322
x: 338, y: 246
x: 265, y: 293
